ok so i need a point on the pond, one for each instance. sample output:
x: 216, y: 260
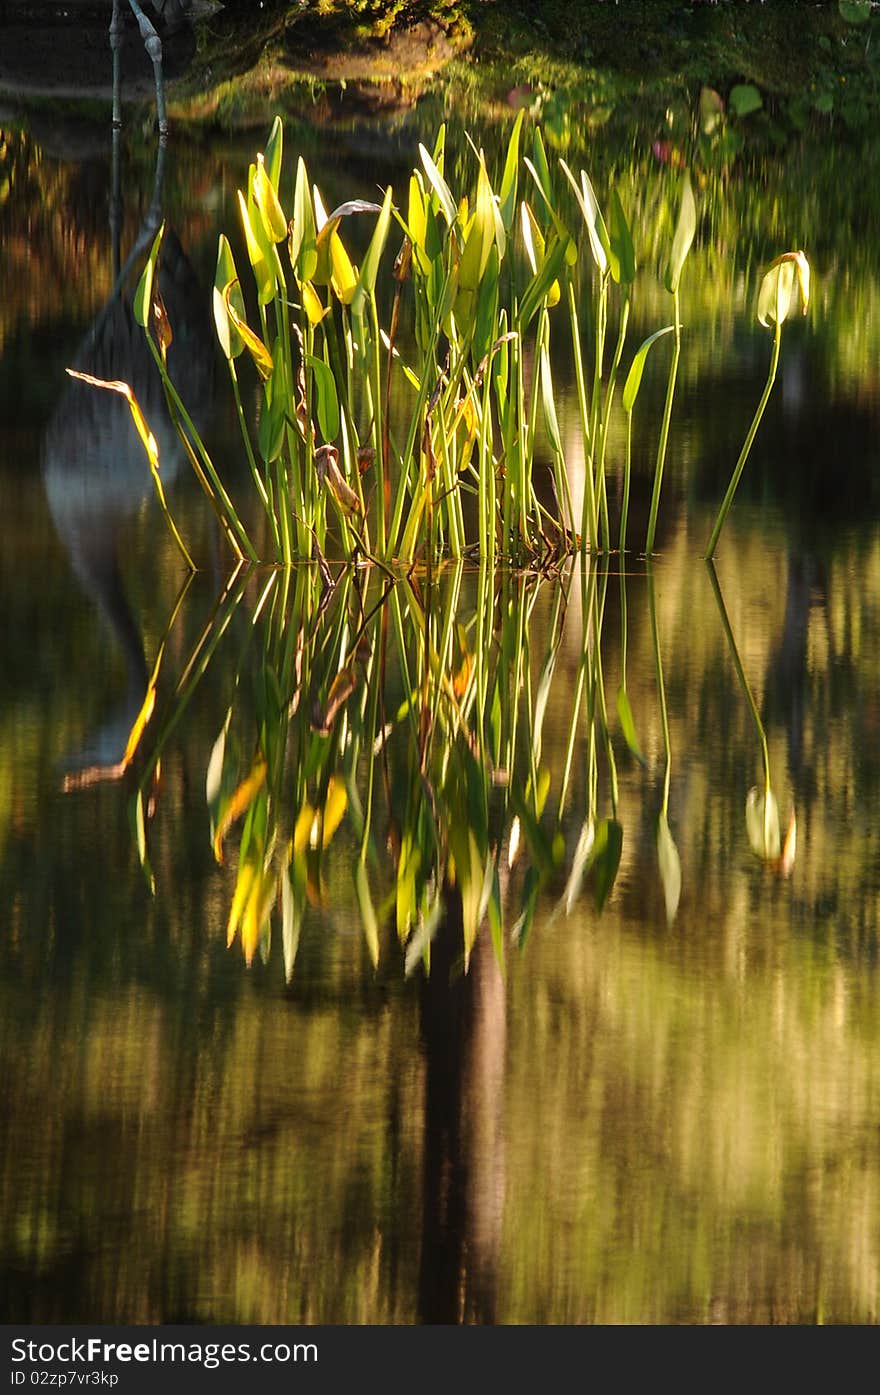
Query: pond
x: 641, y: 1083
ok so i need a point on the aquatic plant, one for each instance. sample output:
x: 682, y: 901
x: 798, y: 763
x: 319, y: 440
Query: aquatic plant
x: 776, y: 300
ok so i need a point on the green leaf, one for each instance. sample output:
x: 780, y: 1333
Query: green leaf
x: 855, y: 11
x: 368, y: 913
x: 440, y: 187
x: 507, y: 197
x: 541, y: 285
x: 136, y: 817
x: 270, y: 210
x: 293, y: 901
x: 548, y: 403
x: 670, y: 868
x: 273, y: 152
x: 627, y: 725
x: 231, y: 341
x: 303, y: 239
x: 580, y: 864
x: 369, y: 271
x: 744, y: 99
x: 623, y: 258
x: 327, y: 403
x: 634, y: 376
x: 589, y: 206
x: 605, y: 860
x: 541, y: 169
x: 685, y: 229
x: 143, y: 298
x: 258, y: 253
x: 531, y: 886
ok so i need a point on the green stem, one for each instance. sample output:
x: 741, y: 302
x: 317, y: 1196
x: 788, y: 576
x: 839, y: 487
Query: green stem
x: 735, y: 477
x: 664, y: 429
x: 661, y: 690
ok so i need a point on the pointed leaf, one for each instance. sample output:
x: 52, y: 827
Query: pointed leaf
x: 231, y: 341
x: 627, y: 725
x: 273, y: 153
x: 670, y: 868
x: 634, y: 377
x: 685, y: 229
x: 623, y: 258
x: 368, y: 913
x: 327, y: 403
x: 605, y: 860
x: 762, y: 825
x: 507, y: 196
x: 440, y: 187
x: 366, y: 283
x: 143, y: 298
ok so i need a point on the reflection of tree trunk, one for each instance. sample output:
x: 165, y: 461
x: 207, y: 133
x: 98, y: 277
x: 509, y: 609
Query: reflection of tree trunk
x: 464, y: 1036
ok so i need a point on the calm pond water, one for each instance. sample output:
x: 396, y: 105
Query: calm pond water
x: 659, y: 1113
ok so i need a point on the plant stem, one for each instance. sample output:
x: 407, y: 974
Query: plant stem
x: 664, y: 429
x: 735, y: 477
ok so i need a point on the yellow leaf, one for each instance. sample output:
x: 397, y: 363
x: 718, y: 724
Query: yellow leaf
x: 312, y: 303
x: 139, y: 724
x: 137, y: 415
x: 243, y: 887
x: 335, y: 806
x: 257, y: 349
x: 266, y: 199
x: 344, y: 279
x: 239, y: 803
x: 303, y: 829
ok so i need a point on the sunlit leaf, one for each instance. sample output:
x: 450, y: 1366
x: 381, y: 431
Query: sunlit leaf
x: 231, y: 341
x: 777, y: 287
x: 312, y: 304
x: 634, y: 377
x: 627, y: 724
x: 254, y: 344
x: 264, y: 272
x: 580, y: 863
x: 440, y: 187
x: 302, y: 831
x: 140, y: 723
x: 335, y: 806
x: 136, y: 811
x: 605, y: 859
x: 670, y: 868
x: 589, y: 206
x: 622, y: 258
x: 366, y: 282
x: 143, y: 297
x: 266, y: 199
x: 507, y: 196
x: 683, y: 237
x: 302, y: 241
x: 239, y: 802
x: 273, y: 153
